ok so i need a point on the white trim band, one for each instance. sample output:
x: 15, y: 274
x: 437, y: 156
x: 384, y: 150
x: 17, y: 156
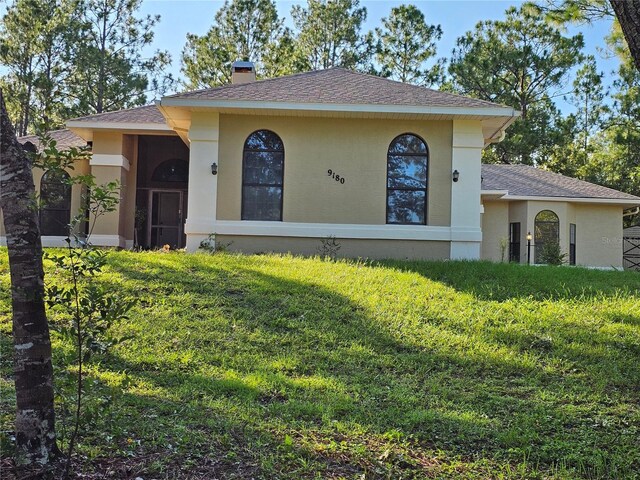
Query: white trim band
x: 109, y: 160
x: 319, y: 230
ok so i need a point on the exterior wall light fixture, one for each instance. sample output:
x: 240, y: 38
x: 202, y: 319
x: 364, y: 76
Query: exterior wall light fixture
x: 456, y: 175
x: 214, y: 168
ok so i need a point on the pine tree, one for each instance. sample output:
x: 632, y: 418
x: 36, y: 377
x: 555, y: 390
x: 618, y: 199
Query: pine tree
x: 523, y: 62
x: 329, y: 34
x: 109, y: 71
x: 406, y: 44
x: 34, y: 45
x: 247, y: 30
x: 35, y: 415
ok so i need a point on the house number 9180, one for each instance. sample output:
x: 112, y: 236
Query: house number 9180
x: 335, y: 176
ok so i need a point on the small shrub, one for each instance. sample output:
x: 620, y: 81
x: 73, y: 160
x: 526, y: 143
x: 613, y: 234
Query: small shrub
x: 210, y: 245
x: 551, y: 254
x: 329, y: 247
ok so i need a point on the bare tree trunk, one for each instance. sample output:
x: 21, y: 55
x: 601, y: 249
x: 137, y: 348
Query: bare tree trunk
x: 628, y: 13
x: 35, y: 428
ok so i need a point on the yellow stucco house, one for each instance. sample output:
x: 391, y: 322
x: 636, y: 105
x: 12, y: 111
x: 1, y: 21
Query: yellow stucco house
x: 391, y: 170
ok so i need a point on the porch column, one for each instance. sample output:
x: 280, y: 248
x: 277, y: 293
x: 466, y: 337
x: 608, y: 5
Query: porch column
x: 108, y: 163
x: 203, y: 185
x: 468, y: 143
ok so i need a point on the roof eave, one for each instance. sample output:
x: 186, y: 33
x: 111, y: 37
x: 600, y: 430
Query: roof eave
x: 480, y: 112
x: 85, y: 128
x: 610, y: 201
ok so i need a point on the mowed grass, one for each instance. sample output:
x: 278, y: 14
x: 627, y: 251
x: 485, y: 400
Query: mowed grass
x: 287, y: 367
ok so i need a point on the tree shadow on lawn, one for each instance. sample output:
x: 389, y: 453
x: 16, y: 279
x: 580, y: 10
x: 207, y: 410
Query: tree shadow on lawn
x: 505, y: 281
x: 320, y: 382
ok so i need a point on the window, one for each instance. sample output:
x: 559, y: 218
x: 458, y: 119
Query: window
x: 572, y: 244
x: 514, y: 242
x: 547, y: 230
x: 407, y: 169
x: 55, y: 195
x: 172, y: 171
x: 262, y: 176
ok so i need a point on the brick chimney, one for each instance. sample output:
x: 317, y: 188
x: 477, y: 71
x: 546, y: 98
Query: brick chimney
x: 243, y: 72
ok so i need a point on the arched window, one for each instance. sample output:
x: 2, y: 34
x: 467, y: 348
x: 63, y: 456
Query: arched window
x: 262, y: 176
x: 407, y: 172
x: 547, y: 230
x: 172, y: 171
x: 55, y: 196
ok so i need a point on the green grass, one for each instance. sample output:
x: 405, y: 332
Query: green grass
x: 286, y: 367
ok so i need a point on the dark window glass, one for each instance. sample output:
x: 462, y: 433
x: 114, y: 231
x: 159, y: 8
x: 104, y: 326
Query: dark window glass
x: 262, y: 176
x: 547, y: 230
x: 407, y: 177
x: 572, y: 244
x: 55, y: 196
x: 175, y: 171
x: 514, y: 242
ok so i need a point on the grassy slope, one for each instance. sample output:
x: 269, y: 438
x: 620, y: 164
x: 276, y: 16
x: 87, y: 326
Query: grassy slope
x: 284, y: 367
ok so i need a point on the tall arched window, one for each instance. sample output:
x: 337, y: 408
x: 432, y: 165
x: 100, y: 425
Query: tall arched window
x: 547, y: 230
x: 262, y: 176
x: 55, y: 196
x: 407, y: 172
x: 172, y: 171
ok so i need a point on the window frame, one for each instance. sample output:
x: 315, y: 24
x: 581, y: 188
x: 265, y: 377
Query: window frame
x: 253, y: 184
x: 539, y: 245
x: 425, y: 189
x: 572, y: 243
x: 515, y: 243
x: 68, y: 200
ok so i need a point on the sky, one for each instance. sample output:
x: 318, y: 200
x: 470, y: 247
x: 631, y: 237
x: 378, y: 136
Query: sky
x: 179, y: 17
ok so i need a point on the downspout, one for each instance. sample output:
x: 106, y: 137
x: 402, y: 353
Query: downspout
x: 502, y: 129
x: 631, y: 211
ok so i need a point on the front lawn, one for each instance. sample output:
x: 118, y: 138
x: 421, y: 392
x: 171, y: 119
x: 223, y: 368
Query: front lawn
x: 285, y: 367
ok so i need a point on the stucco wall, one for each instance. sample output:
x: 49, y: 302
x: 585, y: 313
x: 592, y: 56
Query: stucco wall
x: 495, y: 227
x: 349, y: 248
x: 356, y: 149
x: 598, y: 235
x: 598, y: 229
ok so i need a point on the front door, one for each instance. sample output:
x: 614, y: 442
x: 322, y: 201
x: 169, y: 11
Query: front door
x: 165, y: 222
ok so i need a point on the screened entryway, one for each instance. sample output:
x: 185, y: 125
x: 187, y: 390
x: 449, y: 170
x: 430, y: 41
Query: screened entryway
x: 161, y: 195
x: 547, y: 232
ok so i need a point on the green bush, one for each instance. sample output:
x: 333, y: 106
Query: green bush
x: 551, y: 254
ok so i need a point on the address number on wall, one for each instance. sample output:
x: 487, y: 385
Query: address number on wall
x: 335, y: 176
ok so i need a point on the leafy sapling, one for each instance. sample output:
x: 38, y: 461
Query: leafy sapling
x: 88, y: 310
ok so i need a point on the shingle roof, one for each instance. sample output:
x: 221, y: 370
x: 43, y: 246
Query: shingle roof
x: 65, y: 139
x: 335, y: 86
x: 526, y: 181
x: 146, y: 114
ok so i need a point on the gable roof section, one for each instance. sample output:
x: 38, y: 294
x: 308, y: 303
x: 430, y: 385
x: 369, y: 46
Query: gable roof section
x: 335, y: 86
x: 65, y: 139
x: 526, y: 181
x: 141, y: 120
x: 145, y: 114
